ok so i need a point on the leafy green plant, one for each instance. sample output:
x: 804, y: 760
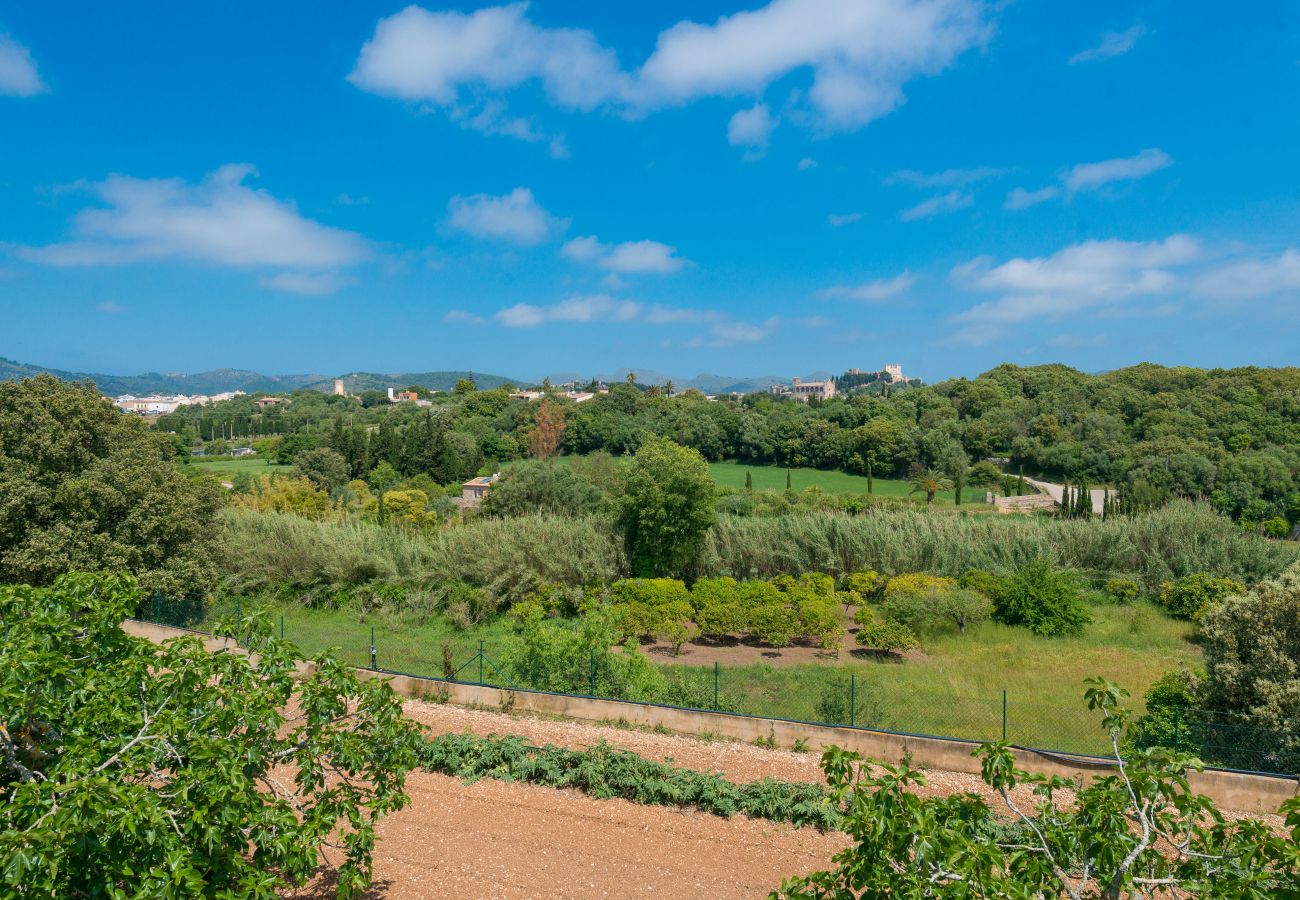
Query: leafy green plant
x: 1139, y: 831
x: 1189, y: 597
x: 890, y: 637
x: 1122, y: 590
x: 133, y: 769
x: 1042, y: 598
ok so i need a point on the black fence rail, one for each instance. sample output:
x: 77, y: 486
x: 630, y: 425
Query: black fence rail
x: 841, y: 697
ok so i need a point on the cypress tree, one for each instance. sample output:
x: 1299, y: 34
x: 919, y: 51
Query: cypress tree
x: 787, y: 481
x: 957, y: 484
x: 749, y: 481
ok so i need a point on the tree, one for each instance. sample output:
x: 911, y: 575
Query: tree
x: 717, y: 606
x: 749, y: 481
x: 929, y: 482
x: 1042, y: 598
x: 132, y: 769
x: 533, y: 486
x: 984, y: 474
x: 667, y: 507
x: 788, y: 487
x: 1252, y: 643
x: 465, y: 386
x: 84, y: 487
x: 548, y: 430
x: 1140, y: 832
x: 877, y: 634
x: 323, y: 467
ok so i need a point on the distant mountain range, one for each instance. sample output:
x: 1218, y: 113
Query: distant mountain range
x: 217, y: 381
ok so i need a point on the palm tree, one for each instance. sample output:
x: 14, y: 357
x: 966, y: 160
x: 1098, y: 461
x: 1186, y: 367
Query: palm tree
x: 931, y: 482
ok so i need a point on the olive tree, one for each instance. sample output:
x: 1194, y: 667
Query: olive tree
x: 133, y: 769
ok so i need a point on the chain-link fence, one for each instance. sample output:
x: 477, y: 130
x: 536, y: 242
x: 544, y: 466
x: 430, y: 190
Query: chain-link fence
x: 820, y: 694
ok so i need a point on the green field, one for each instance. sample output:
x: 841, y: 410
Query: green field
x: 772, y: 478
x: 227, y: 466
x: 952, y: 689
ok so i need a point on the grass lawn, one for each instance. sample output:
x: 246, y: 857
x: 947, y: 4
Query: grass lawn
x: 772, y: 478
x: 952, y: 688
x: 229, y: 465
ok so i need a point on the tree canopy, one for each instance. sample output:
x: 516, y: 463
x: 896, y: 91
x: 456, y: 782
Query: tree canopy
x: 84, y: 487
x: 666, y: 507
x: 132, y: 769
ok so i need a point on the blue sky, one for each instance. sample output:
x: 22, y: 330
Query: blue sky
x: 695, y: 187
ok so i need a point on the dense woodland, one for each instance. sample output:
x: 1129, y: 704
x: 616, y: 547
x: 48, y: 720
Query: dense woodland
x: 1228, y: 436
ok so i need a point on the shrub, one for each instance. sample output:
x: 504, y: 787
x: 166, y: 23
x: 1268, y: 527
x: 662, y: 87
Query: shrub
x: 916, y: 584
x: 891, y: 637
x: 540, y: 486
x: 1166, y: 721
x: 322, y: 466
x: 1042, y: 598
x: 865, y: 582
x: 718, y: 611
x: 1276, y: 527
x: 774, y: 623
x: 1191, y: 596
x: 985, y: 582
x: 1121, y: 590
x: 649, y: 606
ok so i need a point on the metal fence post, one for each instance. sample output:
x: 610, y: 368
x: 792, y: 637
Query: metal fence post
x: 480, y: 662
x: 372, y: 648
x: 157, y: 606
x: 239, y: 620
x: 592, y: 677
x: 1177, y: 722
x: 715, y: 684
x: 1004, y: 714
x: 281, y: 626
x: 853, y: 699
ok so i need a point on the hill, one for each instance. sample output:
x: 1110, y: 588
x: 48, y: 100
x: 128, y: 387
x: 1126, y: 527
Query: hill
x: 218, y: 380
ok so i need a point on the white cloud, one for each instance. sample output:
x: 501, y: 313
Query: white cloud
x: 462, y: 317
x: 1251, y: 278
x: 1019, y: 198
x: 1090, y: 176
x: 1093, y: 176
x: 873, y: 291
x: 859, y: 56
x: 669, y: 315
x: 593, y: 308
x: 1113, y: 43
x: 946, y: 178
x: 727, y: 334
x: 1094, y: 276
x: 515, y: 217
x: 627, y: 258
x: 807, y: 163
x: 18, y: 75
x: 306, y: 283
x: 752, y: 128
x: 218, y: 221
x: 943, y: 203
x: 839, y: 220
x: 109, y: 307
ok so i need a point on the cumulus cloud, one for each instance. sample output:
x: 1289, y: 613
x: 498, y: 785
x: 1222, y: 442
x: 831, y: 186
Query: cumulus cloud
x: 109, y: 307
x: 873, y: 291
x: 1113, y: 43
x: 1090, y: 276
x: 943, y: 203
x: 627, y: 258
x: 1249, y: 279
x: 752, y: 128
x: 946, y: 178
x: 18, y: 74
x: 1090, y: 176
x: 859, y: 57
x: 218, y: 221
x: 462, y: 317
x: 807, y: 163
x: 727, y: 334
x: 839, y: 220
x: 515, y: 217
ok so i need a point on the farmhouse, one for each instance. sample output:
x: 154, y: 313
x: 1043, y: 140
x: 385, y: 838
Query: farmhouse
x: 473, y: 491
x: 804, y: 391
